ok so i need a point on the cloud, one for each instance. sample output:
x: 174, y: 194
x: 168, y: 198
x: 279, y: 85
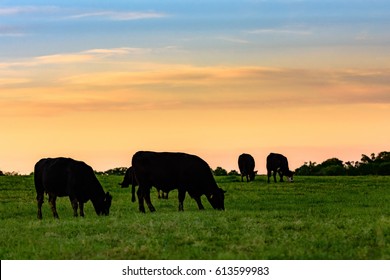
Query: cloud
x: 77, y: 57
x: 10, y: 31
x: 22, y: 10
x: 281, y: 31
x: 233, y: 40
x: 60, y: 13
x: 117, y: 16
x: 93, y: 80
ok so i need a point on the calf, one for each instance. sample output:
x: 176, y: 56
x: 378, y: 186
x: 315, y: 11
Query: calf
x: 128, y: 179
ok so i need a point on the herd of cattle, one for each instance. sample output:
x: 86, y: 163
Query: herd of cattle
x: 166, y: 171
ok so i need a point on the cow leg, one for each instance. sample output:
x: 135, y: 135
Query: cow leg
x: 159, y: 192
x: 81, y: 209
x: 242, y: 178
x: 40, y: 202
x: 52, y: 202
x: 141, y: 206
x: 165, y: 195
x: 247, y: 178
x: 281, y: 176
x: 199, y: 202
x: 149, y: 202
x: 182, y: 195
x: 75, y: 206
x: 274, y: 173
x: 271, y: 173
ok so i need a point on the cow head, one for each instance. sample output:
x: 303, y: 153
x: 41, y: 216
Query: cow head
x: 128, y: 178
x: 104, y: 207
x: 290, y: 175
x: 252, y: 175
x: 124, y: 184
x: 217, y: 199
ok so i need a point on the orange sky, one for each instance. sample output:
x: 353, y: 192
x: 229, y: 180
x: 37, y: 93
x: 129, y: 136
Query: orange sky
x: 311, y: 95
x: 103, y: 117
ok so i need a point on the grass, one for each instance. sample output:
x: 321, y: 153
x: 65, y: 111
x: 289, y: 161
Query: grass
x: 313, y: 218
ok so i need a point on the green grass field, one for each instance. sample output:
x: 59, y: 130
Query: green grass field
x: 313, y: 218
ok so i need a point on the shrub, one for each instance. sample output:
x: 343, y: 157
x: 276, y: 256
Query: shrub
x: 384, y: 168
x: 219, y: 171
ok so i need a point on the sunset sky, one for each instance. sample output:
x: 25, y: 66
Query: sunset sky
x: 99, y: 80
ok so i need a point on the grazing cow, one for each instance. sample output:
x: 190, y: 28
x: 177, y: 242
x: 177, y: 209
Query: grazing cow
x: 68, y: 177
x: 278, y: 163
x: 128, y: 179
x: 184, y: 172
x: 246, y: 164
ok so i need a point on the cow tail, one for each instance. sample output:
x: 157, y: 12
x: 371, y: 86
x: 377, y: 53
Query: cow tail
x: 133, y: 183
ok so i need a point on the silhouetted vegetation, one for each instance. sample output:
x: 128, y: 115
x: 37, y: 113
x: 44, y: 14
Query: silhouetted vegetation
x: 13, y: 173
x: 219, y: 171
x: 233, y: 173
x: 368, y: 165
x: 113, y: 171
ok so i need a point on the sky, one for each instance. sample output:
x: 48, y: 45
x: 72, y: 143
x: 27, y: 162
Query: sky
x: 99, y: 80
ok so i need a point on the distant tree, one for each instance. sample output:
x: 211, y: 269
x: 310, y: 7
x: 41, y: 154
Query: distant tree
x: 219, y: 171
x: 384, y: 168
x: 351, y: 168
x: 332, y: 162
x: 369, y: 165
x: 233, y: 173
x: 331, y: 167
x: 13, y: 173
x: 1, y: 173
x: 332, y: 170
x: 306, y: 169
x: 383, y: 157
x: 365, y: 159
x: 113, y: 171
x: 116, y: 171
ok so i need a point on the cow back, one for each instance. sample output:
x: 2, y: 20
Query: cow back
x: 246, y: 163
x: 172, y: 170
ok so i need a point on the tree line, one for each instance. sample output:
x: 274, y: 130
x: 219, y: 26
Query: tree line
x: 368, y: 165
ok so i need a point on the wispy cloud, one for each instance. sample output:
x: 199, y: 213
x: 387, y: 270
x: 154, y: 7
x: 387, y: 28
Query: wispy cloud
x: 233, y: 40
x: 76, y: 57
x: 94, y: 80
x: 285, y: 31
x: 10, y: 31
x: 60, y: 13
x: 119, y: 16
x: 23, y: 10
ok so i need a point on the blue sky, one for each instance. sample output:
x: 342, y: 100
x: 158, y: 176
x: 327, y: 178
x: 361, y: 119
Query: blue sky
x: 43, y: 27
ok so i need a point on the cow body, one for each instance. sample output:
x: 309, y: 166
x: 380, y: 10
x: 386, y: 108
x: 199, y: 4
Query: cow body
x: 246, y: 164
x: 168, y: 171
x: 277, y: 163
x: 128, y: 180
x: 59, y: 177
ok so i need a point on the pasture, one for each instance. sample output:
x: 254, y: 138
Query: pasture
x: 312, y: 218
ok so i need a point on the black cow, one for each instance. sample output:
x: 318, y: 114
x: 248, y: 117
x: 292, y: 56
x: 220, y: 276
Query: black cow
x: 68, y: 177
x: 128, y: 179
x: 246, y: 164
x: 184, y: 172
x: 278, y: 163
